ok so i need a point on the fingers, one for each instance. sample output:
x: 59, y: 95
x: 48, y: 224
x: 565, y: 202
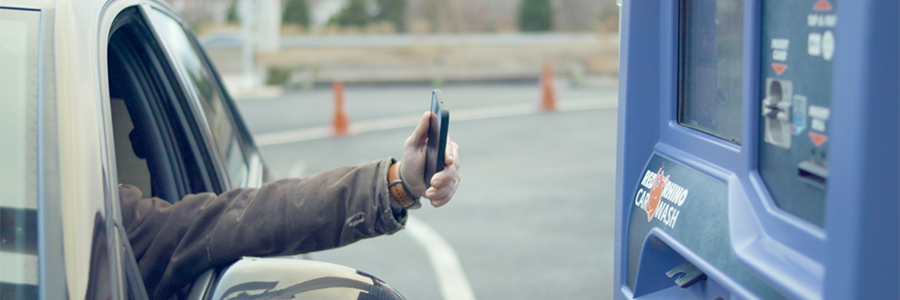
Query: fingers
x: 420, y: 134
x: 452, y: 153
x: 444, y: 183
x: 441, y: 195
x: 450, y: 174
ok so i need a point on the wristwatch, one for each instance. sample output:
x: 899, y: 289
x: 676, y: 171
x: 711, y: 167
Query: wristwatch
x: 399, y: 190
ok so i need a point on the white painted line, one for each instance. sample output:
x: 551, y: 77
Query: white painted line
x: 19, y: 268
x: 450, y: 275
x: 480, y: 113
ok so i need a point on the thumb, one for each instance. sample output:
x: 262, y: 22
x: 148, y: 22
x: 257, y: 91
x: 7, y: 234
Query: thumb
x: 421, y: 132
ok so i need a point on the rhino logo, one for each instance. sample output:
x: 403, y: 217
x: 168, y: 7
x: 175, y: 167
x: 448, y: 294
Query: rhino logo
x: 656, y: 191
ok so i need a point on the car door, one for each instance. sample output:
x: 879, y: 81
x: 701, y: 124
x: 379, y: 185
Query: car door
x: 58, y: 237
x: 175, y: 130
x: 160, y: 143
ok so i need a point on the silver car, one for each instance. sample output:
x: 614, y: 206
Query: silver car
x: 95, y: 93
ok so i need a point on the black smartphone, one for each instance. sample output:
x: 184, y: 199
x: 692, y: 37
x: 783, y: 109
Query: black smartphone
x: 437, y: 137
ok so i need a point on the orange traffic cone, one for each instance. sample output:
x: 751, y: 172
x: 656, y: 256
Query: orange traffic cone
x: 548, y: 92
x: 341, y: 122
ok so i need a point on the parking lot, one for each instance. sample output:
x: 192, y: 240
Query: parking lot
x: 533, y: 217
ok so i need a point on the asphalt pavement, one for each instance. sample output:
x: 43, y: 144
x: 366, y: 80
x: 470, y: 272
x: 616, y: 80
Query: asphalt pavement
x: 533, y: 217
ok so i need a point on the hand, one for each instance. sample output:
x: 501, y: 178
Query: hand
x: 444, y: 183
x: 412, y: 166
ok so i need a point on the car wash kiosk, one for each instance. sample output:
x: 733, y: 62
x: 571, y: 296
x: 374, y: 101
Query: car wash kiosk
x: 758, y: 150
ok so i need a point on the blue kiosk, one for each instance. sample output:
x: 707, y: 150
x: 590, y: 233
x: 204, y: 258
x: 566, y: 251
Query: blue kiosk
x: 758, y: 150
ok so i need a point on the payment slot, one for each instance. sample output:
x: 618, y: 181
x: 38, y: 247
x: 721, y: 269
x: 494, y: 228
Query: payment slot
x: 796, y: 59
x: 758, y: 150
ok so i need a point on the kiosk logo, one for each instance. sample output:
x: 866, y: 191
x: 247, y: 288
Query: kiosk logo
x: 654, y: 188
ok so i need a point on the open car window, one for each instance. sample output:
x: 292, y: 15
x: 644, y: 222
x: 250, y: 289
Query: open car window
x: 158, y: 143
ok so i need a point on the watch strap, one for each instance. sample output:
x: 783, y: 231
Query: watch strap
x: 399, y: 190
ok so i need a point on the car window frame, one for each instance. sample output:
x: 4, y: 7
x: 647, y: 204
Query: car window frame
x: 250, y: 153
x: 127, y: 281
x: 192, y: 101
x: 169, y: 111
x: 256, y: 167
x: 126, y: 275
x: 50, y: 234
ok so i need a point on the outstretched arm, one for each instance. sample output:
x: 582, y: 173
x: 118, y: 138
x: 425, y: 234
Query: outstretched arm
x: 174, y: 243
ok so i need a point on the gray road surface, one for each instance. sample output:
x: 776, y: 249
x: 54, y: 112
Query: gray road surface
x: 533, y: 216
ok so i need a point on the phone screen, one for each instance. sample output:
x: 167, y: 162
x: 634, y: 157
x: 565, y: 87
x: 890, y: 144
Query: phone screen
x: 437, y: 137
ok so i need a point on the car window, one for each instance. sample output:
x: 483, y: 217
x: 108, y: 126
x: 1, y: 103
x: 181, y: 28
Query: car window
x: 211, y: 99
x: 18, y: 154
x: 158, y: 141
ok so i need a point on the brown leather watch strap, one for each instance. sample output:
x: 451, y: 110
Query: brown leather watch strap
x: 398, y: 189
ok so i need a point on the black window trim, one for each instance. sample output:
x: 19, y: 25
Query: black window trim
x: 146, y: 67
x: 192, y: 101
x: 256, y: 167
x: 247, y: 142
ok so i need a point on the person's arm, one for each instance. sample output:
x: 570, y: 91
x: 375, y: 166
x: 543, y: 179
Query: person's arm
x: 175, y: 243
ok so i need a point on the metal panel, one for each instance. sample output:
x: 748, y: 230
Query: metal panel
x: 861, y: 255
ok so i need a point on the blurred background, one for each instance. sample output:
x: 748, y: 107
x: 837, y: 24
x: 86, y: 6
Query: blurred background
x: 532, y: 92
x: 298, y: 43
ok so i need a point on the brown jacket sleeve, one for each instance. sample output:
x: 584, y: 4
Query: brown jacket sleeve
x: 175, y: 243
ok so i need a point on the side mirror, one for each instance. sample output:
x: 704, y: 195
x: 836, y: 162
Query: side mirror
x: 285, y: 278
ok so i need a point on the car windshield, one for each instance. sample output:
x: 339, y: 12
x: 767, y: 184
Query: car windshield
x: 18, y: 154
